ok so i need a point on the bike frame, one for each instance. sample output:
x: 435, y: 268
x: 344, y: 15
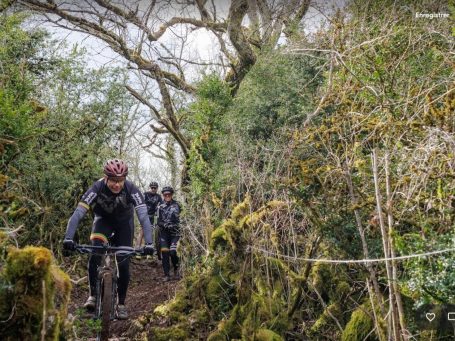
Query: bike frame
x: 105, y: 274
x: 106, y: 282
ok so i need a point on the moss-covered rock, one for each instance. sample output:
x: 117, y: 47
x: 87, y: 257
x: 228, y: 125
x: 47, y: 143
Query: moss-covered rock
x: 360, y: 325
x: 32, y: 287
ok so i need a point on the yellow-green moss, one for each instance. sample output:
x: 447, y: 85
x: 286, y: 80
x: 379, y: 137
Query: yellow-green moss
x: 263, y: 312
x: 217, y: 335
x: 235, y: 236
x: 3, y: 177
x: 254, y: 218
x: 242, y: 303
x: 176, y: 310
x: 32, y: 284
x: 230, y: 327
x: 242, y: 209
x: 198, y: 318
x: 342, y: 289
x: 173, y: 333
x: 218, y: 237
x: 214, y: 291
x: 267, y: 335
x: 359, y: 326
x: 321, y: 277
x: 3, y: 237
x: 280, y: 322
x: 62, y: 289
x: 330, y: 281
x: 277, y: 267
x: 4, y: 243
x: 195, y: 289
x: 326, y: 320
x: 251, y: 321
x: 227, y: 263
x: 162, y: 310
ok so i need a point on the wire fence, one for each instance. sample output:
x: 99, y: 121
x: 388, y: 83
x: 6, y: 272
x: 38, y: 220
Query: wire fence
x: 351, y: 261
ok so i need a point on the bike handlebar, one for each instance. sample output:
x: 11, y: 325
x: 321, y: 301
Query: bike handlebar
x: 121, y: 250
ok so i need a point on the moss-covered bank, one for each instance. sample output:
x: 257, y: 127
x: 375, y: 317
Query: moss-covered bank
x: 34, y: 294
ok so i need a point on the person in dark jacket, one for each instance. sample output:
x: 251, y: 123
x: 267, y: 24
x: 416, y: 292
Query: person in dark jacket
x: 112, y: 200
x: 152, y: 200
x: 169, y: 225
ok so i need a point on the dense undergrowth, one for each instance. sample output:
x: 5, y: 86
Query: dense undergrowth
x: 338, y: 145
x: 285, y: 171
x: 58, y: 123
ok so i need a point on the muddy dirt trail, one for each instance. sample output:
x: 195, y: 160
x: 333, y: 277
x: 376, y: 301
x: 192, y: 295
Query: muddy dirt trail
x: 146, y: 291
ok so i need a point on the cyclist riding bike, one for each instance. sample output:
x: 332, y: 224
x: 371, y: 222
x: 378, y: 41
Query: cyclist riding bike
x: 169, y: 225
x: 111, y: 199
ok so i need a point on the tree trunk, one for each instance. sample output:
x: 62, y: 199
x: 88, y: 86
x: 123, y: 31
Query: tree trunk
x: 247, y: 58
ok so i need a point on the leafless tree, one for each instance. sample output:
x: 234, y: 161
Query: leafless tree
x: 152, y: 36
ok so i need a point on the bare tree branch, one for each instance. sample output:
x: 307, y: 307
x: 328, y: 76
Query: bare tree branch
x: 144, y: 101
x: 153, y: 40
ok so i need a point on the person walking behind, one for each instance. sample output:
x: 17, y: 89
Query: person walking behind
x: 169, y: 225
x: 111, y: 199
x: 152, y: 200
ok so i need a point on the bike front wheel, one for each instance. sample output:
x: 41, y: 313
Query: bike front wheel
x: 104, y: 306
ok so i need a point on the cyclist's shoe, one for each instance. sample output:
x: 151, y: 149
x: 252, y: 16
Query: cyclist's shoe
x: 166, y: 278
x: 122, y: 313
x: 90, y: 304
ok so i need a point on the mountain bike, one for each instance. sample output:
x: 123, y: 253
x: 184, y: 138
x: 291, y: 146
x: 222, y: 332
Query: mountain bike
x: 106, y: 283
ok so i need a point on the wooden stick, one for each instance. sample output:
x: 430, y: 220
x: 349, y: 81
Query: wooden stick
x: 43, y: 329
x: 366, y: 255
x: 404, y: 332
x: 385, y: 243
x: 380, y: 333
x: 77, y: 281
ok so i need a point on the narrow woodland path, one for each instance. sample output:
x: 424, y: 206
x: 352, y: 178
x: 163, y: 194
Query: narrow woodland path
x: 145, y: 292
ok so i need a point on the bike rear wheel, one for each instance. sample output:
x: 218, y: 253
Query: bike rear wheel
x: 104, y: 305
